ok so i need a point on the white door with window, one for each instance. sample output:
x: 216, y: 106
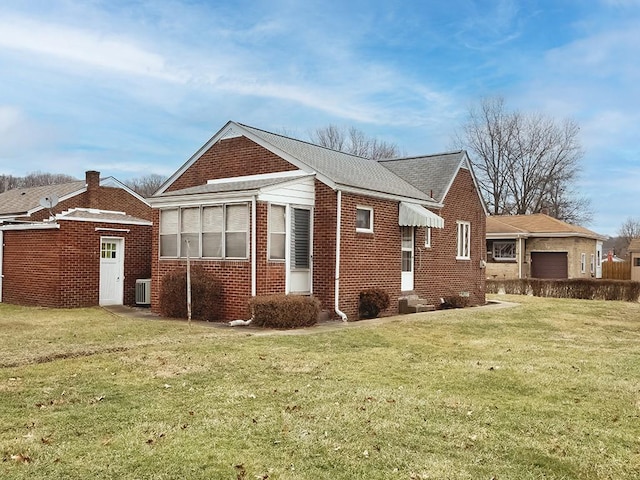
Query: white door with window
x: 406, y: 281
x: 111, y: 271
x: 300, y: 264
x: 598, y: 259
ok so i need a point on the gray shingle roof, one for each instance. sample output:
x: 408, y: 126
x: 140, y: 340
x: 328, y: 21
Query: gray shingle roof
x: 342, y: 168
x: 431, y: 174
x: 225, y: 187
x: 19, y: 201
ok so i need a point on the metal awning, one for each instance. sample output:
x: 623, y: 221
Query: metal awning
x: 414, y: 215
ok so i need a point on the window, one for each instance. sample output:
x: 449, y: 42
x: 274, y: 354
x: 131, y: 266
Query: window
x: 169, y: 233
x: 636, y: 262
x: 218, y: 231
x: 464, y: 241
x: 593, y: 263
x: 504, y: 251
x: 583, y: 263
x: 364, y: 219
x: 236, y: 228
x: 108, y: 250
x: 427, y: 237
x: 277, y: 232
x: 190, y: 232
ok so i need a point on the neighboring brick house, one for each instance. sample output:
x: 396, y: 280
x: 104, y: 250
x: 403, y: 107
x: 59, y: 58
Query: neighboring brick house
x: 634, y: 257
x: 540, y: 246
x: 87, y: 249
x: 271, y: 214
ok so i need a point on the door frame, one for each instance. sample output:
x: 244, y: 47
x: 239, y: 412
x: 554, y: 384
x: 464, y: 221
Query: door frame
x: 1, y: 264
x: 119, y: 297
x: 407, y: 278
x: 290, y: 270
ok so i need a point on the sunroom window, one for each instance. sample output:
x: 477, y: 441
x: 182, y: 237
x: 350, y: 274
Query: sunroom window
x: 277, y: 232
x: 216, y: 231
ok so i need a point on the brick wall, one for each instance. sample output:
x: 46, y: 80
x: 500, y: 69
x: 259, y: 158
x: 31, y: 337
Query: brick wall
x: 233, y: 157
x: 437, y: 272
x: 61, y: 267
x: 369, y: 259
x: 574, y: 246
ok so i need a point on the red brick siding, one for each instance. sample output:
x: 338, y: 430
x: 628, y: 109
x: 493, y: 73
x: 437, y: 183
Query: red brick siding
x: 235, y: 276
x: 324, y: 245
x: 233, y: 157
x: 61, y: 268
x: 437, y: 272
x: 369, y: 259
x: 105, y: 198
x: 270, y: 273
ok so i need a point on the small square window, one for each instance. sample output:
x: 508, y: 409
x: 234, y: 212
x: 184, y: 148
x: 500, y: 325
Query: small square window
x: 636, y: 262
x: 364, y: 219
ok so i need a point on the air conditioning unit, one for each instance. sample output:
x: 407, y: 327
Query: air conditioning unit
x: 143, y: 291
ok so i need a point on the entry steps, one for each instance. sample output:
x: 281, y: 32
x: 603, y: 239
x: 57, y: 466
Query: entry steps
x: 414, y: 304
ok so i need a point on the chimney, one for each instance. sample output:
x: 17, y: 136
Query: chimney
x: 93, y: 183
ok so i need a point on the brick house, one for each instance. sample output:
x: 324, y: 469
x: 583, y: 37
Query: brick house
x: 87, y: 249
x: 271, y: 214
x: 540, y: 246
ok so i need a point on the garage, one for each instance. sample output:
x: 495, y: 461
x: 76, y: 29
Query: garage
x: 549, y: 265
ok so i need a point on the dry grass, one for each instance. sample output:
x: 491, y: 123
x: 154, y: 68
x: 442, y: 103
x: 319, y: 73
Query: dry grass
x: 548, y: 389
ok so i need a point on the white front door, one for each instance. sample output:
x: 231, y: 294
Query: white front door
x: 111, y: 271
x: 300, y: 265
x: 598, y: 259
x: 406, y: 281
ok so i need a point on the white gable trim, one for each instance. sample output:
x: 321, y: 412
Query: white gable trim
x: 124, y: 221
x: 31, y: 226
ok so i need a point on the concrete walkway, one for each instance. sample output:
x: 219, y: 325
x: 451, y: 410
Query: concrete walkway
x: 146, y: 313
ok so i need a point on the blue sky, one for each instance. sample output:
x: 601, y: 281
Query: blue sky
x: 131, y: 88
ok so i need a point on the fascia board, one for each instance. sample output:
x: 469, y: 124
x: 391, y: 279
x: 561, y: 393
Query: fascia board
x: 203, y: 199
x: 387, y: 196
x: 114, y: 182
x: 98, y: 220
x: 31, y: 226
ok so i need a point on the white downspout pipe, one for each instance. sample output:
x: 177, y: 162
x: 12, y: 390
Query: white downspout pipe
x: 336, y: 293
x: 253, y: 247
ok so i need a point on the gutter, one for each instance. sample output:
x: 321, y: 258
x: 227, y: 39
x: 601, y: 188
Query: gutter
x: 336, y: 292
x: 253, y: 247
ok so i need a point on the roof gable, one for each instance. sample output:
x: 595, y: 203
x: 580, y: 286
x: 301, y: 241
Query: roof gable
x: 336, y: 169
x: 25, y: 201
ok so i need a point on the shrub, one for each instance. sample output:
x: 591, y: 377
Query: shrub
x: 454, y: 301
x: 372, y: 302
x: 206, y: 294
x: 580, y: 288
x: 284, y: 311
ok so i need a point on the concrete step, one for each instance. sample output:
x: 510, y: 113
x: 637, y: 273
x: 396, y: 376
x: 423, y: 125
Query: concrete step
x: 414, y: 304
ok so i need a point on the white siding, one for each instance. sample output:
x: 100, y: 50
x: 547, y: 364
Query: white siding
x: 296, y: 193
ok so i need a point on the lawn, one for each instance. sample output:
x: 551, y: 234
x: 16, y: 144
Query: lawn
x: 547, y: 389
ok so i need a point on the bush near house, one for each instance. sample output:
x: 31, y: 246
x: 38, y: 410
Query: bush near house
x: 588, y: 289
x: 454, y: 301
x: 372, y: 302
x: 206, y: 294
x: 284, y: 311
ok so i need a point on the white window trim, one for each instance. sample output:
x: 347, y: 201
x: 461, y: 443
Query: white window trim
x: 461, y: 247
x: 370, y: 210
x: 583, y: 263
x: 427, y: 237
x: 269, y: 232
x: 592, y: 265
x: 224, y: 232
x: 504, y: 259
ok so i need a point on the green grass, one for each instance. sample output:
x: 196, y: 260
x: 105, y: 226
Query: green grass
x: 547, y: 389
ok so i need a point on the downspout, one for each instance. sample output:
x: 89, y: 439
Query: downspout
x: 336, y: 292
x: 253, y: 247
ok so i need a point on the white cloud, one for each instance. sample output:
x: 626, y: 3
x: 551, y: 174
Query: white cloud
x: 95, y: 49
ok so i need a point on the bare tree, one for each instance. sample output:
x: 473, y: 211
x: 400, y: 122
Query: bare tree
x: 33, y: 179
x: 526, y: 163
x: 146, y: 185
x: 630, y: 229
x: 355, y: 142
